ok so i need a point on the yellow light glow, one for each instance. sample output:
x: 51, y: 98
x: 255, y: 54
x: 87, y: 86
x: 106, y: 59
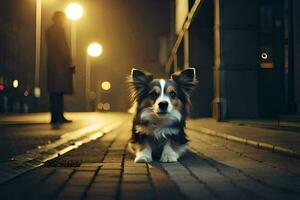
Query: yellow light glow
x: 100, y: 106
x: 37, y: 92
x: 106, y: 106
x: 15, y: 83
x: 94, y: 49
x: 106, y: 85
x: 74, y: 11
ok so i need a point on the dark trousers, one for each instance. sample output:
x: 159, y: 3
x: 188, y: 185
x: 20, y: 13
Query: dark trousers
x: 56, y: 106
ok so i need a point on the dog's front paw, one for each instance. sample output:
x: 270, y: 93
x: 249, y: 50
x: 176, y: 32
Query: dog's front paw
x: 169, y: 157
x: 143, y: 159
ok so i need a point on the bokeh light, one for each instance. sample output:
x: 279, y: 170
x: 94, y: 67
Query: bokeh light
x: 26, y: 93
x: 105, y: 85
x: 106, y: 106
x: 2, y: 87
x: 100, y: 106
x: 15, y: 83
x: 94, y: 49
x: 74, y: 11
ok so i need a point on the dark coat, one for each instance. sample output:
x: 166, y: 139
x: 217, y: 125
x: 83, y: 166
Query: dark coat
x: 60, y: 73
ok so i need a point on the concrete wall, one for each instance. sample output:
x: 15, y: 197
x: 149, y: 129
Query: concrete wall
x: 237, y: 71
x: 296, y: 7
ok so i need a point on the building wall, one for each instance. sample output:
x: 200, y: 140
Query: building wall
x: 17, y: 54
x: 296, y: 18
x: 236, y: 73
x: 201, y: 57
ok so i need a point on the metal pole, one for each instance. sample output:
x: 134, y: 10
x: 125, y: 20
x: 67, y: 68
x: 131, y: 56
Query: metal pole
x: 38, y: 23
x: 186, y: 49
x: 74, y: 50
x: 175, y: 63
x: 218, y: 100
x: 87, y: 81
x: 73, y: 42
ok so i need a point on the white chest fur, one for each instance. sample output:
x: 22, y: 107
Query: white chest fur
x: 157, y: 132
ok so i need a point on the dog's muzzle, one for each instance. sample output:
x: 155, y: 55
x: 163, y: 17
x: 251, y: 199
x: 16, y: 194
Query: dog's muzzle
x: 163, y: 107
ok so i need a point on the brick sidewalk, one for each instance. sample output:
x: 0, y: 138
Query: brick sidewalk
x: 274, y: 140
x: 214, y: 168
x: 98, y: 170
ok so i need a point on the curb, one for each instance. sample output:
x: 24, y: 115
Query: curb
x: 253, y: 143
x: 266, y: 126
x: 37, y: 157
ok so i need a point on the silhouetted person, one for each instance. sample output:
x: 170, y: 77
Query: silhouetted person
x: 60, y: 68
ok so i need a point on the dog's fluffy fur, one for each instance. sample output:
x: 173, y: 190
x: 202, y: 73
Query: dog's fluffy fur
x: 160, y: 114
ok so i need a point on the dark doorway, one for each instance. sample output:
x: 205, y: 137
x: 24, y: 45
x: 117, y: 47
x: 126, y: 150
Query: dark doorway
x: 271, y: 58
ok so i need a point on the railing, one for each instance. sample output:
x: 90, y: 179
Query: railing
x: 183, y: 35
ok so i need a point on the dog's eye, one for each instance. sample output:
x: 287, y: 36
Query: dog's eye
x: 154, y: 94
x: 173, y: 94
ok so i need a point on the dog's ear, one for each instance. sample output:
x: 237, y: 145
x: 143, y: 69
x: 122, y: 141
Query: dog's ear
x: 140, y: 78
x: 138, y: 82
x: 186, y: 79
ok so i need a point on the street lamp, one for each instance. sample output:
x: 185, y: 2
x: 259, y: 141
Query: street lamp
x: 38, y: 24
x: 74, y: 12
x: 93, y: 50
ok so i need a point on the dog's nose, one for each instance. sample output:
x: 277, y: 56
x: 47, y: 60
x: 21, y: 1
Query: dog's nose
x: 163, y: 105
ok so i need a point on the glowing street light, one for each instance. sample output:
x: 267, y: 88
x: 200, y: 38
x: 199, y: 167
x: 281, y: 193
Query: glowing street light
x: 105, y: 85
x: 94, y: 49
x: 38, y: 33
x: 15, y: 83
x: 74, y: 11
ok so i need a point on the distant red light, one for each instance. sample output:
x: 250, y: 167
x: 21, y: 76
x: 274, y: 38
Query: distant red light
x: 2, y: 87
x: 26, y: 93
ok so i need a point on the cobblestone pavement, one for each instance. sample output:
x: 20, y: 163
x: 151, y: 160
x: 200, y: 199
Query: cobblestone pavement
x: 213, y: 168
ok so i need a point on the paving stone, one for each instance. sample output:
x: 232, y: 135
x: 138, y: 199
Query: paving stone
x: 135, y: 178
x: 103, y: 190
x: 131, y: 163
x: 79, y: 181
x: 91, y: 165
x: 111, y: 166
x: 44, y: 192
x: 145, y: 195
x: 113, y: 160
x: 105, y: 185
x: 109, y: 172
x: 84, y: 174
x: 64, y: 170
x: 57, y: 179
x: 106, y: 179
x: 86, y: 168
x: 72, y: 191
x: 135, y: 170
x: 129, y: 187
x: 164, y: 187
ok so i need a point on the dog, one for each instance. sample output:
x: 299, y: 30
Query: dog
x: 161, y: 108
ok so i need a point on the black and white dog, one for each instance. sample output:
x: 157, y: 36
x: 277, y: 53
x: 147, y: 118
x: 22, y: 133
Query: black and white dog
x: 161, y: 111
